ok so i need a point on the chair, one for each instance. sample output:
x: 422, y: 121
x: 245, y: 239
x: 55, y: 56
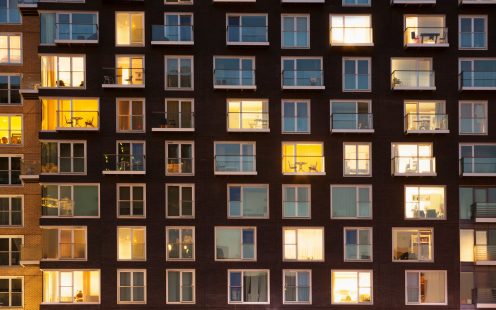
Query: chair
x: 291, y: 167
x: 69, y: 121
x: 89, y: 122
x: 313, y: 168
x: 107, y: 79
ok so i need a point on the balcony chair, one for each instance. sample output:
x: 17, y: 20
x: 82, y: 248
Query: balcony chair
x: 69, y: 121
x: 89, y: 122
x: 313, y: 168
x: 291, y: 167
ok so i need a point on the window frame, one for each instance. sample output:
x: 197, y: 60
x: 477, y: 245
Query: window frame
x: 265, y: 109
x: 130, y: 13
x: 297, y: 271
x: 193, y: 289
x: 132, y: 228
x: 356, y: 74
x: 355, y: 4
x: 180, y: 126
x: 180, y: 230
x: 357, y: 201
x: 418, y: 271
x: 344, y: 27
x: 357, y: 159
x: 241, y: 42
x: 295, y: 155
x: 486, y: 115
x: 177, y: 59
x: 9, y: 34
x: 9, y: 211
x: 10, y: 251
x: 192, y: 25
x: 240, y: 144
x: 179, y: 2
x: 243, y: 186
x: 72, y: 158
x: 418, y: 231
x: 296, y: 186
x: 57, y: 106
x: 9, y: 116
x: 180, y: 143
x: 10, y: 278
x: 309, y: 114
x: 8, y: 20
x: 355, y: 103
x: 180, y: 186
x: 132, y: 286
x: 131, y: 186
x: 72, y: 229
x: 473, y: 145
x: 297, y: 229
x: 357, y: 272
x: 432, y: 158
x: 371, y: 238
x: 240, y: 229
x: 10, y: 170
x: 294, y: 17
x: 71, y: 270
x: 295, y: 78
x: 71, y: 185
x: 129, y: 101
x: 10, y: 90
x: 425, y: 186
x: 472, y: 17
x: 57, y: 72
x: 240, y: 69
x: 242, y: 271
x: 71, y: 39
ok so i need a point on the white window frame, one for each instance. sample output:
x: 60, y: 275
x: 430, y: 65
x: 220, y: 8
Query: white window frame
x: 296, y: 155
x: 178, y: 2
x: 240, y: 16
x: 472, y: 102
x: 9, y: 129
x: 8, y: 20
x: 10, y: 251
x: 179, y: 126
x: 131, y: 201
x: 130, y: 13
x: 9, y: 48
x: 472, y: 22
x: 179, y: 14
x: 129, y: 101
x: 265, y: 109
x: 240, y: 229
x: 418, y: 188
x: 344, y: 16
x: 297, y: 302
x: 472, y: 60
x: 357, y: 201
x: 242, y: 203
x: 394, y: 146
x: 297, y: 229
x: 71, y: 39
x: 418, y: 231
x: 294, y: 17
x: 178, y: 59
x: 180, y: 230
x: 59, y: 229
x: 71, y: 185
x: 369, y: 72
x: 309, y: 118
x: 419, y: 288
x: 242, y: 271
x: 356, y: 145
x: 10, y: 90
x: 180, y: 186
x: 240, y: 73
x: 58, y: 272
x: 357, y: 271
x: 132, y: 228
x: 131, y: 272
x: 432, y: 77
x: 179, y: 144
x: 131, y: 143
x: 9, y: 211
x: 358, y: 229
x: 472, y: 145
x: 355, y: 104
x: 355, y: 4
x: 240, y: 144
x: 10, y: 170
x: 10, y: 278
x: 72, y: 158
x: 296, y: 186
x: 295, y: 71
x: 57, y: 111
x: 56, y: 72
x: 418, y: 103
x: 193, y: 289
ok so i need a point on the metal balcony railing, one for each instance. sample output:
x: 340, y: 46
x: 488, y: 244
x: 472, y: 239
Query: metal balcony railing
x: 413, y: 165
x: 77, y: 120
x: 246, y: 34
x: 427, y: 36
x: 303, y: 164
x: 124, y: 77
x: 358, y: 251
x: 76, y: 32
x: 163, y: 34
x: 248, y: 120
x: 484, y: 211
x: 426, y: 122
x: 413, y: 79
x: 173, y: 120
x: 302, y: 78
x: 235, y: 163
x: 57, y: 207
x: 351, y: 121
x: 482, y: 165
x: 477, y: 80
x: 234, y: 78
x: 124, y: 163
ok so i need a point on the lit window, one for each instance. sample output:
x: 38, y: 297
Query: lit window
x: 303, y: 244
x: 129, y: 28
x: 247, y: 29
x: 427, y: 287
x: 352, y: 287
x: 412, y: 73
x: 9, y: 89
x: 296, y: 116
x: 411, y: 244
x: 247, y: 115
x: 413, y: 159
x: 302, y: 158
x: 248, y: 201
x: 10, y: 250
x: 180, y: 243
x: 63, y: 71
x: 248, y: 286
x: 131, y: 200
x: 295, y: 31
x: 467, y: 245
x: 63, y: 243
x: 9, y: 12
x: 11, y: 129
x: 130, y: 115
x: 297, y: 286
x: 70, y: 114
x: 425, y: 30
x: 425, y: 202
x: 131, y: 243
x: 129, y: 72
x: 180, y: 286
x: 71, y: 286
x: 235, y: 243
x: 11, y: 292
x: 478, y: 159
x: 302, y: 73
x: 131, y: 286
x: 473, y: 118
x: 357, y: 159
x: 296, y: 201
x: 422, y: 116
x: 356, y: 74
x: 130, y: 157
x: 351, y: 116
x: 63, y: 157
x: 357, y: 244
x: 351, y: 30
x: 179, y: 157
x: 10, y: 170
x: 234, y: 72
x: 179, y: 72
x: 79, y: 200
x: 235, y: 158
x: 473, y: 32
x: 10, y: 48
x: 11, y: 209
x: 351, y: 201
x: 180, y: 200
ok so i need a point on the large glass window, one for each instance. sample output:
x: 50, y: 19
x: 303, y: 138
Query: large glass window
x: 10, y: 48
x: 63, y: 71
x: 351, y: 30
x: 129, y: 71
x: 129, y: 28
x: 247, y: 115
x: 413, y: 159
x: 478, y: 73
x: 235, y: 243
x: 296, y: 116
x: 352, y: 287
x: 11, y: 292
x: 178, y: 27
x: 357, y: 159
x: 178, y: 115
x: 180, y: 286
x: 248, y: 201
x: 412, y: 73
x: 71, y: 286
x: 412, y: 244
x: 425, y: 30
x: 478, y: 203
x: 10, y: 250
x: 9, y: 89
x: 129, y: 156
x: 180, y: 159
x: 131, y: 286
x: 9, y: 14
x: 251, y: 29
x: 248, y: 286
x: 11, y: 209
x: 357, y: 244
x: 351, y: 201
x: 180, y: 201
x: 356, y: 74
x: 130, y: 115
x: 81, y: 200
x: 70, y: 114
x: 131, y: 243
x: 302, y: 73
x: 11, y: 129
x: 426, y: 116
x: 473, y: 118
x: 473, y: 32
x: 131, y: 200
x: 295, y: 31
x: 425, y: 202
x: 10, y: 170
x: 69, y: 27
x: 303, y: 244
x: 297, y: 287
x: 235, y: 157
x: 179, y: 72
x: 426, y: 287
x: 63, y: 243
x: 351, y: 116
x: 63, y: 157
x: 296, y: 201
x: 478, y: 159
x: 180, y: 243
x: 302, y: 158
x: 234, y: 72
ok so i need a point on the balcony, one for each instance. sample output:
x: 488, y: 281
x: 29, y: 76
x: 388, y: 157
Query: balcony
x: 485, y: 297
x: 58, y: 207
x: 172, y: 34
x: 248, y: 121
x: 351, y: 36
x: 484, y: 212
x: 30, y: 171
x: 124, y: 164
x: 30, y: 255
x: 67, y: 33
x: 123, y: 78
x: 477, y: 80
x: 405, y: 2
x: 247, y: 35
x: 65, y: 251
x: 477, y: 1
x: 302, y: 79
x: 235, y: 164
x: 179, y: 166
x: 75, y: 120
x: 28, y: 7
x: 29, y: 86
x: 173, y: 121
x: 413, y: 80
x: 303, y: 165
x: 426, y: 37
x: 413, y: 166
x: 234, y: 79
x: 478, y: 166
x: 426, y: 123
x: 352, y: 122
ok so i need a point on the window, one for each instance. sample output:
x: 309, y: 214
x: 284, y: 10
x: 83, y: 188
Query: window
x: 178, y: 1
x: 426, y: 287
x: 235, y: 158
x: 71, y: 286
x: 130, y: 115
x: 247, y: 115
x: 356, y: 74
x: 131, y: 243
x: 352, y: 286
x: 413, y: 159
x: 10, y: 250
x: 179, y: 72
x: 425, y: 202
x: 131, y: 200
x: 129, y: 72
x: 10, y: 48
x: 248, y: 201
x: 412, y: 73
x: 358, y: 244
x: 10, y: 169
x: 351, y: 30
x: 63, y: 243
x: 180, y: 243
x: 473, y: 118
x: 180, y: 286
x: 248, y: 286
x: 9, y: 89
x: 426, y: 116
x: 425, y: 30
x: 11, y: 129
x: 475, y: 202
x: 63, y: 71
x: 302, y: 158
x: 303, y: 244
x: 234, y: 72
x: 295, y: 31
x: 468, y: 247
x: 180, y: 200
x: 297, y: 287
x: 295, y: 116
x: 11, y: 210
x: 413, y: 244
x: 351, y: 201
x: 351, y: 116
x: 9, y: 14
x: 178, y: 115
x: 130, y: 156
x: 70, y: 114
x: 356, y: 2
x: 296, y: 201
x: 473, y: 32
x: 478, y: 159
x: 129, y: 28
x: 302, y: 73
x: 63, y: 157
x: 235, y: 243
x: 11, y: 292
x: 178, y: 28
x: 357, y: 159
x: 131, y: 286
x: 68, y: 27
x: 78, y: 200
x: 477, y: 74
x: 180, y: 159
x: 247, y: 29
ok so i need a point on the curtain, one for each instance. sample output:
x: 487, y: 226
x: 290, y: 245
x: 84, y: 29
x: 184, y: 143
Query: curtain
x: 85, y: 200
x: 343, y: 202
x: 173, y: 286
x: 47, y: 21
x: 255, y: 286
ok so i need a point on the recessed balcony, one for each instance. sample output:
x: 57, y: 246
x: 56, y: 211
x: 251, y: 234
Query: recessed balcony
x: 413, y: 80
x: 478, y: 166
x: 303, y: 165
x: 71, y: 33
x: 485, y: 298
x: 235, y: 164
x: 172, y: 34
x: 484, y: 212
x: 413, y: 166
x: 123, y: 78
x: 173, y: 121
x: 30, y: 171
x: 426, y: 37
x: 477, y: 80
x: 78, y: 120
x: 352, y: 122
x: 302, y: 79
x: 28, y: 7
x: 234, y: 79
x: 426, y: 123
x: 124, y: 164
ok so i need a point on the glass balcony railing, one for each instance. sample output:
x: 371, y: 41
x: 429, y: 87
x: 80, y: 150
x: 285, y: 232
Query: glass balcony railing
x: 57, y: 207
x: 303, y: 164
x: 413, y: 79
x: 179, y: 165
x: 342, y: 122
x: 302, y: 79
x: 485, y: 295
x: 63, y: 165
x: 9, y: 16
x: 357, y: 166
x: 478, y: 80
x: 358, y: 251
x: 232, y: 78
x: 426, y: 36
x: 173, y: 121
x: 235, y: 164
x: 473, y: 125
x: 417, y: 210
x: 478, y: 165
x: 30, y: 168
x: 72, y: 251
x: 83, y: 33
x: 413, y: 165
x: 351, y: 36
x: 243, y: 121
x: 176, y: 34
x: 472, y: 39
x: 124, y: 163
x: 426, y: 122
x: 30, y: 254
x: 484, y: 211
x: 123, y: 77
x: 77, y: 120
x: 247, y: 34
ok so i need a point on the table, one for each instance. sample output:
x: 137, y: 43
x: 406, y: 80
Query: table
x: 300, y: 164
x: 77, y: 119
x: 431, y: 36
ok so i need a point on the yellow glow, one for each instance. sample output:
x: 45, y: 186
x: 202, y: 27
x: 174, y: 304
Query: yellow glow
x: 10, y: 129
x: 303, y: 244
x: 424, y: 202
x: 467, y: 245
x: 130, y: 70
x: 350, y: 30
x: 247, y: 114
x: 302, y: 158
x: 129, y: 28
x: 351, y: 287
x: 70, y: 113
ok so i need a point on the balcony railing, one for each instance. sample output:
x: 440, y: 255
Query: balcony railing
x: 357, y: 167
x: 57, y: 207
x: 78, y: 120
x: 173, y: 121
x: 64, y: 165
x: 426, y: 36
x: 9, y: 16
x: 30, y: 170
x: 303, y: 164
x: 413, y: 79
x: 419, y: 211
x: 354, y: 36
x: 124, y: 164
x: 29, y: 86
x: 173, y: 34
x: 28, y: 7
x: 246, y: 121
x: 30, y: 255
x: 473, y: 39
x: 421, y: 122
x: 413, y: 166
x: 252, y: 35
x: 352, y: 122
x: 485, y: 297
x: 76, y: 33
x: 123, y: 77
x: 236, y: 79
x: 478, y: 165
x: 235, y: 164
x: 485, y: 254
x: 301, y: 79
x: 180, y: 250
x: 477, y: 80
x: 181, y: 165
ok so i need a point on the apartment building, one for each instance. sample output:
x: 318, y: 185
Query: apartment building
x: 264, y: 154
